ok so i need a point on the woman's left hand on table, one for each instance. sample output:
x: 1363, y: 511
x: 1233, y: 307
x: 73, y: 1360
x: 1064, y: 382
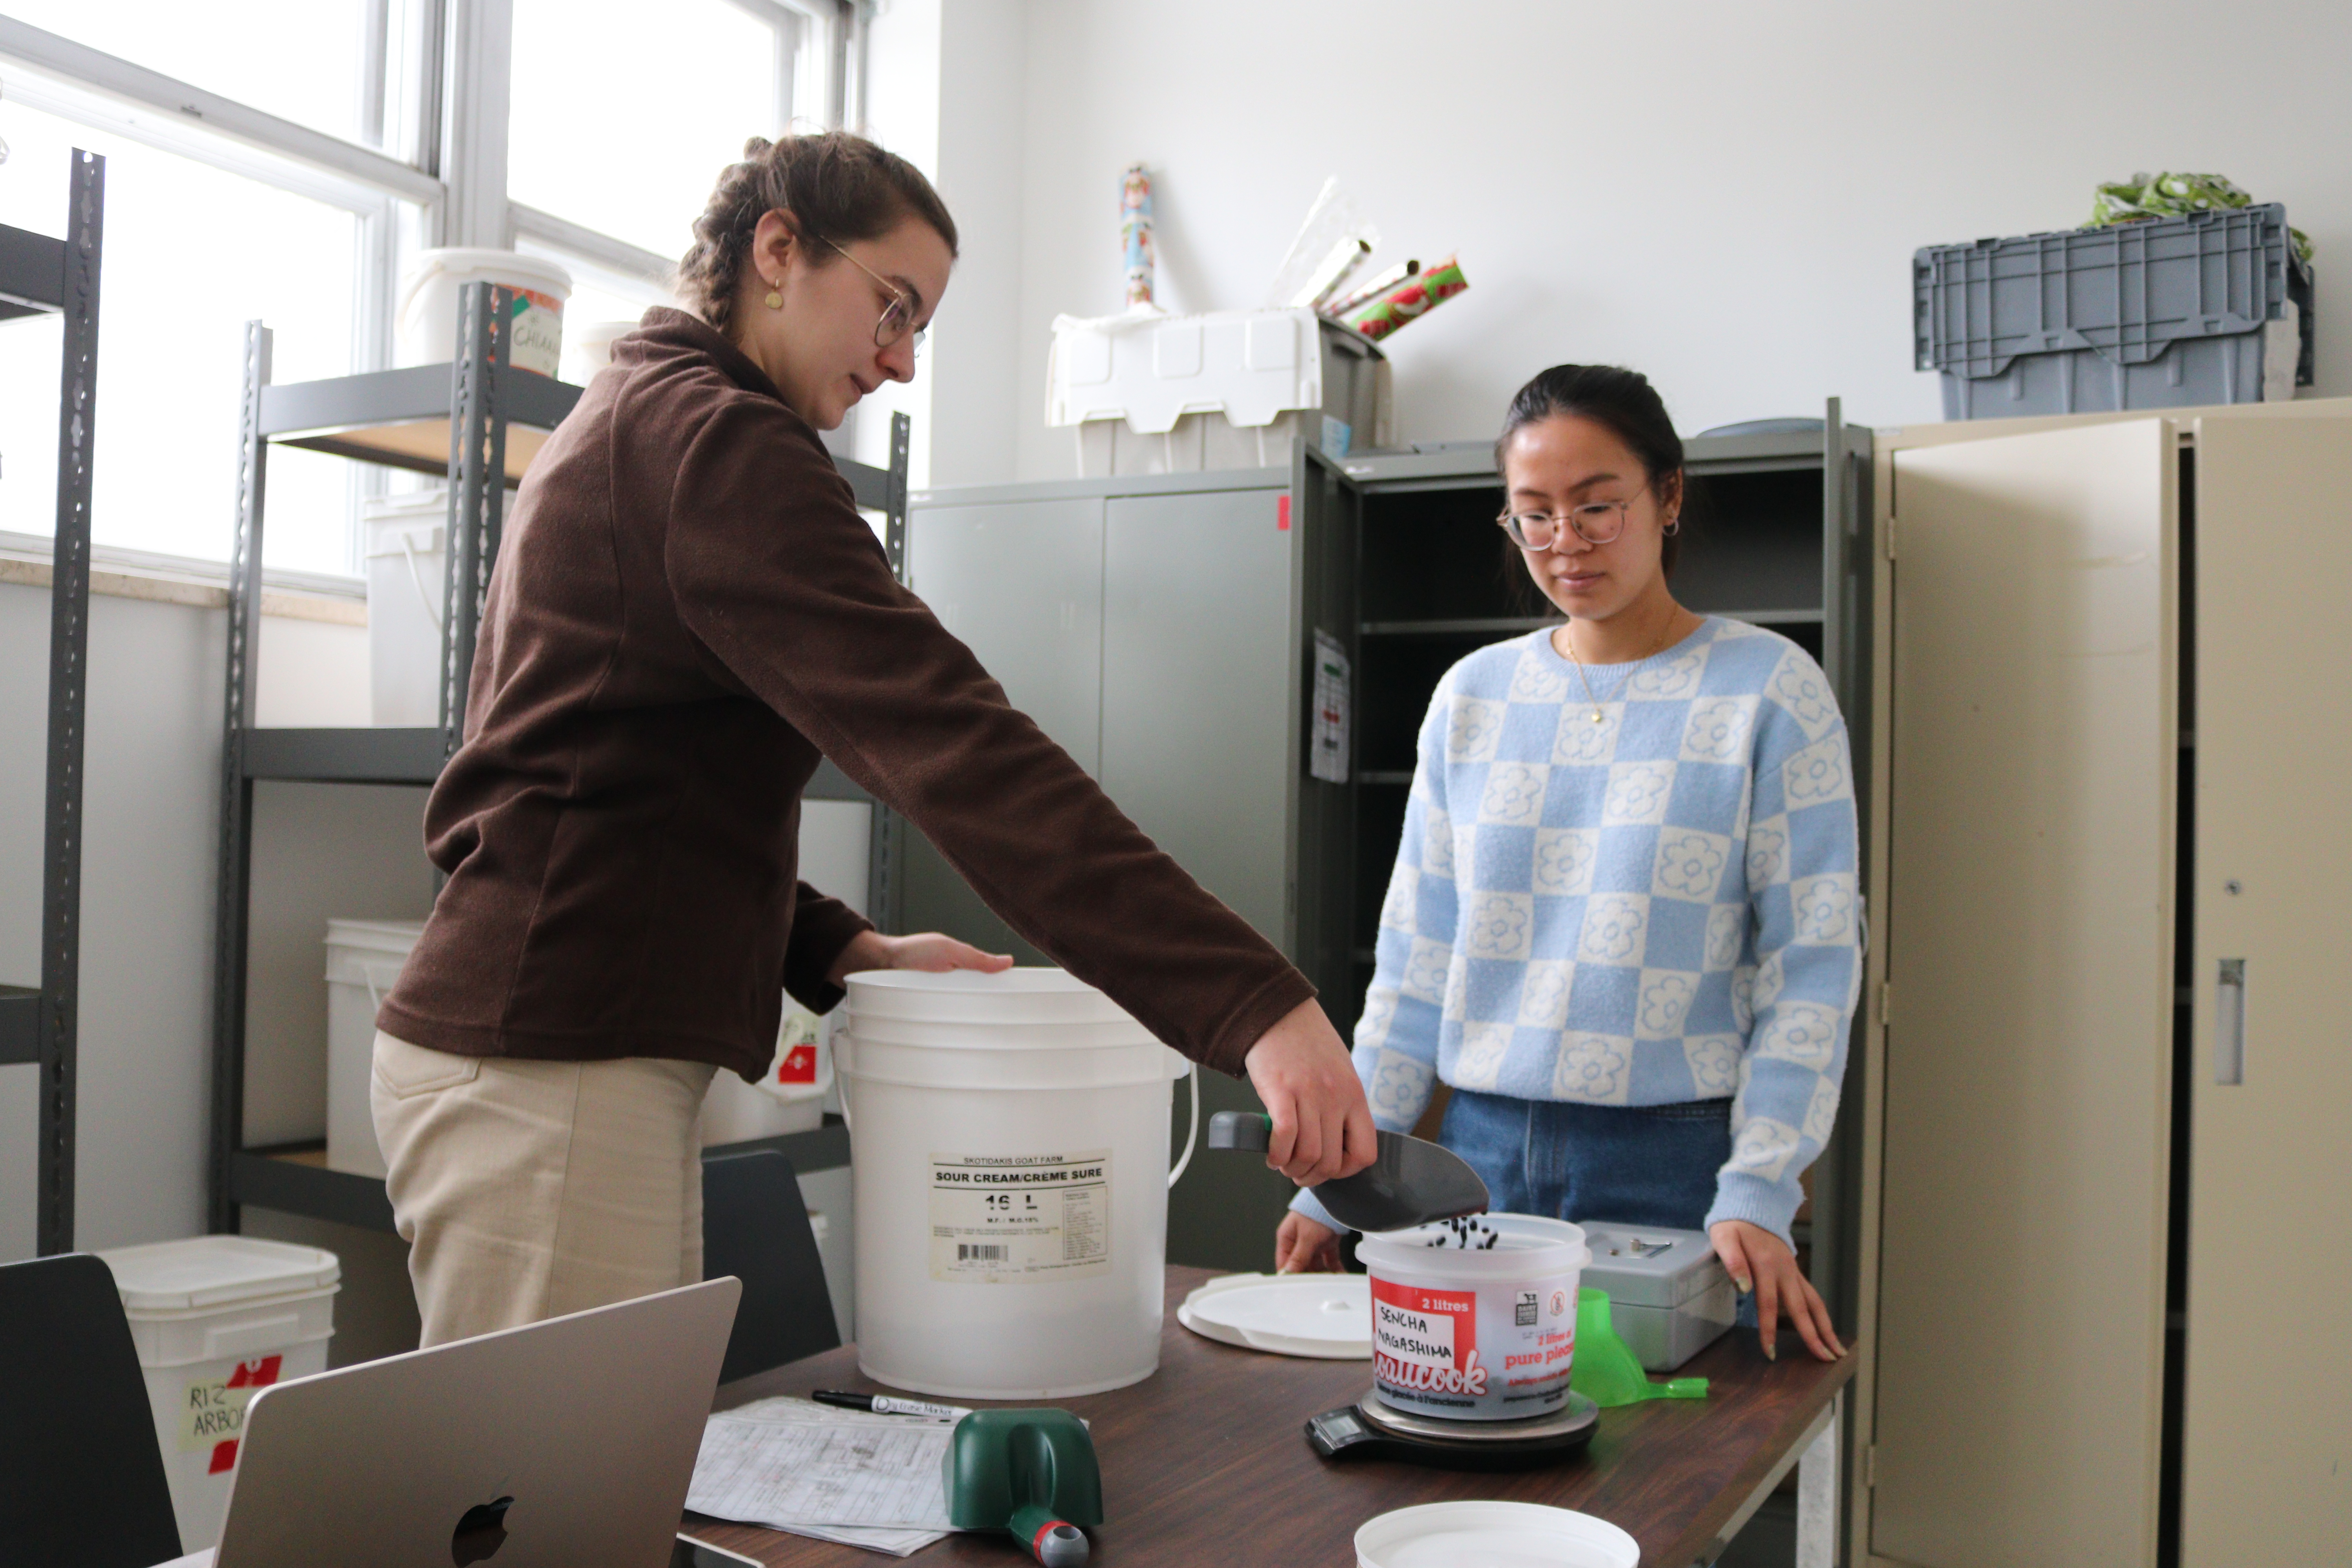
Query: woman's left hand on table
x: 933, y: 951
x: 1760, y: 1262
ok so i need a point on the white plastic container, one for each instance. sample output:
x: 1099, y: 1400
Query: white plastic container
x: 1009, y: 1146
x: 1492, y: 1535
x: 408, y: 565
x: 1151, y: 393
x: 789, y: 1099
x: 216, y: 1318
x: 588, y: 347
x: 363, y: 960
x: 428, y: 305
x: 1475, y: 1333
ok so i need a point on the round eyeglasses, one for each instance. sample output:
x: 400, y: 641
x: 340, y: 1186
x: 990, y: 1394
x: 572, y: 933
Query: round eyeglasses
x: 1595, y: 522
x: 896, y: 316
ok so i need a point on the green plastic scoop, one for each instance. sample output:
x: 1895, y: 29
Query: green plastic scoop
x: 1412, y: 1182
x: 1605, y: 1370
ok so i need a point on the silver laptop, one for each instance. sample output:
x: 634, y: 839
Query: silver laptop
x: 564, y: 1444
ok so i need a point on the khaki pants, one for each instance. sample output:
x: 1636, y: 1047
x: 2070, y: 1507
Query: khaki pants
x: 529, y: 1189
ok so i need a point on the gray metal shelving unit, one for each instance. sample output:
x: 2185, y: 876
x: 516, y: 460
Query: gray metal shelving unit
x: 41, y: 276
x: 477, y: 422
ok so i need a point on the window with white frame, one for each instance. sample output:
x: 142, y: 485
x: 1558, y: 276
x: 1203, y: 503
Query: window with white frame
x: 282, y: 159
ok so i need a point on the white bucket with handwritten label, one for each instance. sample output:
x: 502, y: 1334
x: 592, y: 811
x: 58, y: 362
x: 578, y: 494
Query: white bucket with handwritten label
x: 1009, y: 1150
x: 1475, y: 1320
x: 427, y: 315
x: 215, y: 1318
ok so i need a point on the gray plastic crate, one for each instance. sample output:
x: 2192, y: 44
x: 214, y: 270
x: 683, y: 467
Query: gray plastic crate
x: 2164, y: 313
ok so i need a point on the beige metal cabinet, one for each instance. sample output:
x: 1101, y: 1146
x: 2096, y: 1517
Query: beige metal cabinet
x: 2110, y: 829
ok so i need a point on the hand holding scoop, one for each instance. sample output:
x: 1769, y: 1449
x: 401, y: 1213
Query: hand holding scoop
x: 1412, y: 1181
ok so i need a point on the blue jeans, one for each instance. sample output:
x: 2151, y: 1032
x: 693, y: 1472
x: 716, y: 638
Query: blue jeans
x: 1642, y: 1164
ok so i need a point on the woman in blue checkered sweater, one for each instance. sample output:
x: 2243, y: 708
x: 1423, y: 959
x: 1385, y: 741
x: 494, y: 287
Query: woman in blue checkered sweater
x: 1623, y: 923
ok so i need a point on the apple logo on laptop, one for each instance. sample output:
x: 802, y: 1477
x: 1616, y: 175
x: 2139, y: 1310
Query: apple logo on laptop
x: 480, y: 1533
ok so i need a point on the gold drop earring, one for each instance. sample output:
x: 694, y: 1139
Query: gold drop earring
x: 775, y: 299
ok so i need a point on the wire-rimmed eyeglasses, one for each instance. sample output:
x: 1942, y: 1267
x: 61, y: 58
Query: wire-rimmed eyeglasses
x: 1595, y: 522
x: 898, y: 316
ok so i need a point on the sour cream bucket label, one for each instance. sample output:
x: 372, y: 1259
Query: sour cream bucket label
x: 1019, y: 1218
x: 1486, y: 1333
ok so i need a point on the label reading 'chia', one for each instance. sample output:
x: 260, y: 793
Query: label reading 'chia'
x: 1019, y: 1218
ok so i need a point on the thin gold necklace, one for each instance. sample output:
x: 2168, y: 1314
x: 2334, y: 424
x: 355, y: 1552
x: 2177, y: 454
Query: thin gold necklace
x: 1586, y: 680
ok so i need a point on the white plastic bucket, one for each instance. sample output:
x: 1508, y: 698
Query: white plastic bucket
x: 1475, y: 1332
x: 215, y: 1318
x: 1009, y: 1145
x: 1523, y: 1534
x: 363, y: 962
x: 588, y: 346
x: 407, y: 559
x: 428, y: 305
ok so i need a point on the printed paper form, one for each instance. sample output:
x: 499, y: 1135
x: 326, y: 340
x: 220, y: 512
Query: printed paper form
x: 836, y: 1475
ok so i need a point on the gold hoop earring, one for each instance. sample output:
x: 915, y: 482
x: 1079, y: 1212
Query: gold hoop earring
x: 775, y: 299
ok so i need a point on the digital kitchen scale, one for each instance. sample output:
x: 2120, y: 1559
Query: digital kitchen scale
x: 1371, y: 1428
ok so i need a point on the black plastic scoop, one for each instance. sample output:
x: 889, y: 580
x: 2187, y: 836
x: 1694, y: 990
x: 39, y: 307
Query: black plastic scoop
x: 1413, y: 1183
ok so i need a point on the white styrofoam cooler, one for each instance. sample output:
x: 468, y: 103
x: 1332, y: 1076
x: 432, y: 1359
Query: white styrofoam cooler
x: 216, y: 1318
x: 1152, y: 393
x: 407, y: 563
x: 363, y: 959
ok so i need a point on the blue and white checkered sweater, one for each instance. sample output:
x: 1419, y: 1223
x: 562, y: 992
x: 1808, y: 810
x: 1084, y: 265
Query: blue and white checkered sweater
x: 1661, y: 907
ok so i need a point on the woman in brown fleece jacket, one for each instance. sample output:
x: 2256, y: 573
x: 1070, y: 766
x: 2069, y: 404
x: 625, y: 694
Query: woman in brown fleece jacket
x: 687, y: 612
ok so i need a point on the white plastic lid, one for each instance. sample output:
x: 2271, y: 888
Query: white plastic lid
x: 407, y: 506
x: 1525, y: 1244
x: 375, y: 936
x: 1030, y: 995
x: 1492, y: 1535
x: 510, y: 267
x: 1324, y: 1315
x: 212, y: 1271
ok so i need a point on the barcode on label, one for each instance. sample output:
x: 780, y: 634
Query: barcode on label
x: 981, y: 1252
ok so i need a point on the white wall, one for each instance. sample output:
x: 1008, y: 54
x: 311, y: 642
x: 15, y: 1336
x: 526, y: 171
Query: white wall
x: 1726, y: 198
x: 976, y: 420
x: 151, y: 804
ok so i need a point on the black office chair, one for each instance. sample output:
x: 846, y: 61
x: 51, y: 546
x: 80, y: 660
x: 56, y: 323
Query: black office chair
x: 81, y: 1475
x: 755, y: 1226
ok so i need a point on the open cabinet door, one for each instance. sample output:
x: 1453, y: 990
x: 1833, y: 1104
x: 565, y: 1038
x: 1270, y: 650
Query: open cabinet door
x: 1325, y: 617
x: 2028, y: 1014
x: 2266, y: 1462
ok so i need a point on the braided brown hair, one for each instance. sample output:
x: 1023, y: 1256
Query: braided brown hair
x: 834, y: 186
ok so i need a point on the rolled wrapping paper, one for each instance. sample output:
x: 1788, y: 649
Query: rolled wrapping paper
x: 1369, y: 289
x: 1135, y: 232
x: 1408, y: 300
x: 1332, y: 272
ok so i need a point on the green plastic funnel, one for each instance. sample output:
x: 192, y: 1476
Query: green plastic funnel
x: 1604, y: 1370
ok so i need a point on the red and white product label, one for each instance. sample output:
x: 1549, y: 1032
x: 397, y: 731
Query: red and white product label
x: 1426, y: 1340
x: 211, y: 1411
x: 797, y: 1066
x: 1501, y: 1351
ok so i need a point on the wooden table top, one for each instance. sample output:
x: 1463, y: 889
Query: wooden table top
x: 1206, y: 1460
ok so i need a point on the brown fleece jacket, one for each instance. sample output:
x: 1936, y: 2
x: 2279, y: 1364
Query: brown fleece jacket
x: 686, y: 611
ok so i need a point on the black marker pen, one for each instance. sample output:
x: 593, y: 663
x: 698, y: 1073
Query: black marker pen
x: 883, y: 1405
